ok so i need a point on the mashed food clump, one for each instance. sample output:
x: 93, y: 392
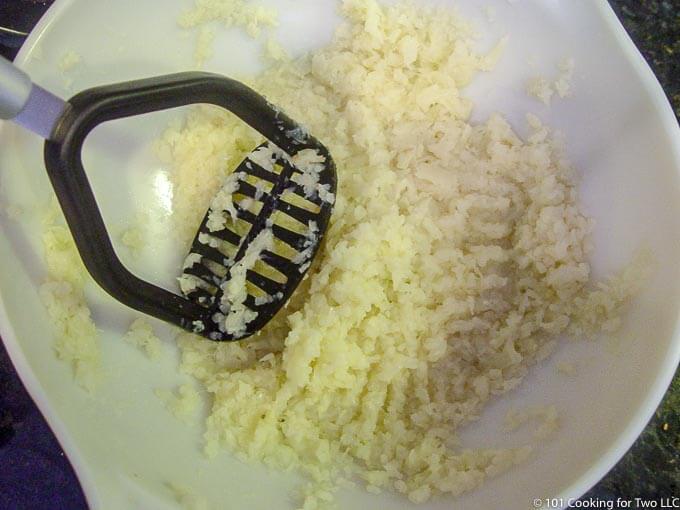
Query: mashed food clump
x: 456, y: 255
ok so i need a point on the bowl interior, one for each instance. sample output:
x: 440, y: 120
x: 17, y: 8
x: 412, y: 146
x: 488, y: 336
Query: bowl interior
x: 126, y: 448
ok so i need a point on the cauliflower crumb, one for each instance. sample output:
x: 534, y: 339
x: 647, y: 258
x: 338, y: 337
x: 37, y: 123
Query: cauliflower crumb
x: 542, y: 89
x: 310, y: 243
x: 133, y: 238
x: 192, y: 258
x: 311, y: 163
x: 235, y: 316
x: 251, y: 16
x: 76, y: 334
x: 142, y: 336
x: 549, y: 422
x: 204, y: 46
x: 62, y: 294
x: 274, y: 51
x: 187, y: 498
x: 546, y: 417
x: 69, y: 61
x: 183, y: 404
x: 599, y: 311
x: 223, y: 203
x: 563, y: 83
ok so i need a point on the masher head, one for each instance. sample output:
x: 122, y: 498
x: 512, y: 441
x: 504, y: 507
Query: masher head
x: 258, y: 239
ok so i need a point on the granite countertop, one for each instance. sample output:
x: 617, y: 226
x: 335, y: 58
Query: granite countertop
x: 36, y: 475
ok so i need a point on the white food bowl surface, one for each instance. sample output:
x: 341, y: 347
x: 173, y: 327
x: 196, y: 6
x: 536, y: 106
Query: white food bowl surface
x: 621, y: 134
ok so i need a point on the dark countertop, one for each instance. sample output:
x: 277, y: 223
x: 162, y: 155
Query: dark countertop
x: 36, y: 475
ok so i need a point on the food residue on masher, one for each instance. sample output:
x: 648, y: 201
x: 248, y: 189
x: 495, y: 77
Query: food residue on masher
x: 235, y: 315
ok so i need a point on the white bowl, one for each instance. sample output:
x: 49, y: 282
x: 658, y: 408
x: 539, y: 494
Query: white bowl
x: 621, y: 134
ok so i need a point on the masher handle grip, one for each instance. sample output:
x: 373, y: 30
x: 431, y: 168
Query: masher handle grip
x: 26, y: 103
x: 15, y: 89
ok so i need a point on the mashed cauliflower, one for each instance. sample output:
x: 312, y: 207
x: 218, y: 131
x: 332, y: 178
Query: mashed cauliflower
x: 63, y: 296
x: 142, y: 336
x: 456, y: 256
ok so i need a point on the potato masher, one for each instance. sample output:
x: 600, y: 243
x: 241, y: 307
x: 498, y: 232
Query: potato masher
x: 260, y: 234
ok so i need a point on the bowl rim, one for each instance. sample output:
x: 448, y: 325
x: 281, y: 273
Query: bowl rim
x: 578, y: 487
x: 664, y: 377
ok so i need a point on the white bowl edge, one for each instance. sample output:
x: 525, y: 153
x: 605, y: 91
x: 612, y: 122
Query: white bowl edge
x: 657, y: 392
